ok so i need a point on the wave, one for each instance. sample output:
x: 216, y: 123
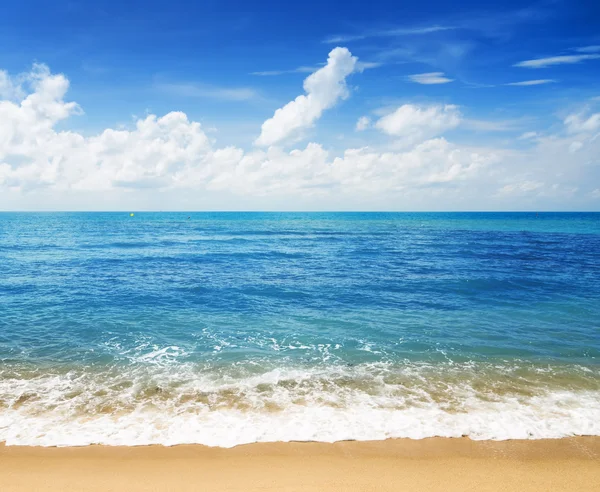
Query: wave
x: 168, y: 404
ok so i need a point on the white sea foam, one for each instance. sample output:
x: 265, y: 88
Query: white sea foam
x: 327, y: 404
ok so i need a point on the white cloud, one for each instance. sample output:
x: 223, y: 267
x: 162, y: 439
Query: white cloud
x: 172, y: 153
x: 171, y: 163
x: 532, y: 82
x: 430, y: 78
x: 8, y: 89
x: 582, y: 123
x: 413, y: 124
x: 555, y: 60
x: 528, y: 135
x: 433, y: 162
x: 324, y: 88
x: 560, y: 168
x: 363, y: 123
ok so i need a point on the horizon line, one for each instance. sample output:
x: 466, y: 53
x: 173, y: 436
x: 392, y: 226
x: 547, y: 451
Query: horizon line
x: 126, y: 211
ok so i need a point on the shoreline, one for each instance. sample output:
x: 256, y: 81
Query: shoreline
x: 450, y: 464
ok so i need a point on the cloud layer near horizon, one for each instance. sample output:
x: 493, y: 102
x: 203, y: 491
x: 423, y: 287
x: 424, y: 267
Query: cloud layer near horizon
x: 415, y: 167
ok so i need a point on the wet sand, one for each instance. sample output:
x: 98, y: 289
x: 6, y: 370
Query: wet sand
x: 394, y: 465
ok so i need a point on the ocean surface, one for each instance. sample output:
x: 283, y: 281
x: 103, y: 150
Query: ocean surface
x: 231, y: 328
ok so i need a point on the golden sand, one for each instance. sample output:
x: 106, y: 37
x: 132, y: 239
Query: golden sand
x: 437, y: 464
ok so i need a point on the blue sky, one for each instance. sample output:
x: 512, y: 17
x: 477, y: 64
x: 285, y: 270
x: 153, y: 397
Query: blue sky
x: 514, y: 71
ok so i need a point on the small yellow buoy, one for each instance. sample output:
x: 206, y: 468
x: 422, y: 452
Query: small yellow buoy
x: 130, y: 215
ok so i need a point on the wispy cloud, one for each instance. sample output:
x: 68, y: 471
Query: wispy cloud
x: 493, y: 126
x: 429, y: 78
x: 588, y: 49
x: 528, y: 135
x: 532, y: 82
x: 415, y: 30
x: 381, y: 33
x: 446, y: 56
x: 360, y: 66
x: 343, y: 38
x: 208, y: 91
x: 95, y: 69
x: 520, y: 188
x: 556, y: 60
x: 302, y: 69
x: 477, y: 85
x: 499, y: 25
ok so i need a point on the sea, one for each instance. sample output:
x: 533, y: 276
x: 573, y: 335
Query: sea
x: 222, y: 329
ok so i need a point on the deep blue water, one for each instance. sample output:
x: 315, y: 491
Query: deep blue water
x: 186, y: 327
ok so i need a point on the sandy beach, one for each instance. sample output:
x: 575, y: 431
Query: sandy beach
x: 430, y: 464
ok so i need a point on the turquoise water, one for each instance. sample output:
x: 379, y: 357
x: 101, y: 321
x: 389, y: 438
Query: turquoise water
x: 226, y: 328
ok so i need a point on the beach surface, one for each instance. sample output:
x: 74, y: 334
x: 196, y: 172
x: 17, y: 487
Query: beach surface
x: 399, y: 464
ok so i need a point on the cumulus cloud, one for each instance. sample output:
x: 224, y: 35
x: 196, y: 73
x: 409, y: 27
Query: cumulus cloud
x: 172, y: 156
x: 430, y: 78
x: 555, y: 60
x: 171, y: 152
x: 412, y: 124
x: 9, y: 89
x: 324, y: 88
x: 433, y: 162
x: 153, y: 154
x: 363, y: 123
